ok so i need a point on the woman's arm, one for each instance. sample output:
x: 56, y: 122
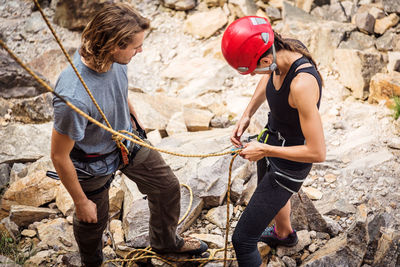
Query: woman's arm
x: 304, y: 94
x: 257, y: 99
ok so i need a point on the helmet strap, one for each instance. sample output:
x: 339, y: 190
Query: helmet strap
x: 273, y: 66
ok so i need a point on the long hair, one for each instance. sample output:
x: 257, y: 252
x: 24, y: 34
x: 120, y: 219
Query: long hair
x: 114, y: 25
x: 291, y: 45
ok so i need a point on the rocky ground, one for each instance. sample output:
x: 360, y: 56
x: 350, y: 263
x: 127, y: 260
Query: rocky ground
x: 349, y: 210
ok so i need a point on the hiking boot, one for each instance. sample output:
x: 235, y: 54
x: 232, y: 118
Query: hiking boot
x: 193, y: 246
x: 270, y: 237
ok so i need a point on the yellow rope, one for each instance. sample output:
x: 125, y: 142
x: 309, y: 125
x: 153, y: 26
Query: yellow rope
x: 118, y: 137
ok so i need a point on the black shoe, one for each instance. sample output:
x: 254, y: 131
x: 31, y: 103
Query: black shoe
x: 270, y: 237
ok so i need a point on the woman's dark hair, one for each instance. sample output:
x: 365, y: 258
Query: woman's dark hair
x: 291, y: 45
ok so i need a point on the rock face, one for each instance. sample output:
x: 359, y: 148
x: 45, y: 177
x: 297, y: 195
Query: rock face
x: 15, y: 82
x: 384, y: 86
x: 75, y: 14
x: 356, y: 69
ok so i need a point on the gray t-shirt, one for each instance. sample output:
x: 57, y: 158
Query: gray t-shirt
x: 110, y: 89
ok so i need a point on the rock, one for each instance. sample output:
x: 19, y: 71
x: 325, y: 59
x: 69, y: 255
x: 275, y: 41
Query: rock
x: 244, y: 7
x: 336, y: 207
x: 176, y: 124
x: 356, y: 69
x: 64, y: 201
x: 117, y: 232
x: 236, y: 190
x: 304, y: 215
x: 154, y: 137
x: 358, y: 41
x: 56, y: 233
x: 374, y: 226
x: 371, y: 160
x: 248, y: 191
x: 213, y: 241
x: 306, y: 5
x: 41, y: 258
x: 217, y: 215
x: 181, y: 5
x: 15, y: 82
x: 263, y: 249
x: 24, y: 143
x: 51, y: 63
x: 8, y: 262
x: 28, y: 233
x: 34, y: 190
x: 196, y: 119
x: 205, y: 24
x: 365, y: 22
x: 212, y: 172
x: 387, y: 41
x: 155, y: 111
x: 38, y: 109
x: 215, y: 3
x: 136, y: 224
x: 304, y: 240
x: 312, y: 193
x: 290, y: 12
x: 18, y: 171
x: 382, y: 25
x: 116, y: 196
x: 275, y: 262
x: 394, y: 61
x: 387, y: 253
x: 384, y: 86
x: 25, y: 215
x: 4, y: 174
x: 289, y: 262
x: 391, y: 6
x: 337, y: 12
x: 9, y: 228
x: 75, y: 14
x: 333, y: 226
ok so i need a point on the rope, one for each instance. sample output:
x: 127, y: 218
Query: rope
x: 118, y: 137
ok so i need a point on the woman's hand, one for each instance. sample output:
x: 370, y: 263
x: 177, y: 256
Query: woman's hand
x: 239, y: 129
x: 254, y: 151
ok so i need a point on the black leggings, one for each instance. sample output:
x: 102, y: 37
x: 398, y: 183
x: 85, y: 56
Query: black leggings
x: 267, y: 200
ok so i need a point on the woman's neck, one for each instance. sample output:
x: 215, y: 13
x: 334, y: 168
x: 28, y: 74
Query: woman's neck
x: 285, y: 59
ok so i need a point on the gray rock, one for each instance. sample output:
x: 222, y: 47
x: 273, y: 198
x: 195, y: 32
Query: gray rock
x: 365, y: 22
x: 391, y: 6
x: 374, y: 225
x: 15, y: 82
x: 181, y: 5
x: 273, y: 13
x: 333, y: 226
x: 289, y: 262
x: 336, y: 13
x: 136, y: 224
x: 35, y: 23
x: 18, y: 171
x: 4, y: 174
x: 218, y: 215
x: 388, y: 251
x: 304, y: 215
x: 387, y: 41
x: 358, y: 40
x: 24, y: 143
x: 11, y: 227
x: 290, y: 12
x: 339, y: 207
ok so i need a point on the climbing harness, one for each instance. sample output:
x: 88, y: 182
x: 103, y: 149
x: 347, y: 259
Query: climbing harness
x: 118, y: 137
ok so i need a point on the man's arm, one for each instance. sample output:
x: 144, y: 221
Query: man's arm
x: 61, y: 146
x: 132, y: 111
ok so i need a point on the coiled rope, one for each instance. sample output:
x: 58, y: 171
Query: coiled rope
x: 136, y: 254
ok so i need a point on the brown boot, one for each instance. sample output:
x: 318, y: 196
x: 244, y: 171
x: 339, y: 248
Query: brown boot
x: 193, y: 246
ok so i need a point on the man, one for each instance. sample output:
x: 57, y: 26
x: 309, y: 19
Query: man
x: 85, y: 156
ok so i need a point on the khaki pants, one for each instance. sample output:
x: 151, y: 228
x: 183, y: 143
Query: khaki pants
x: 153, y: 178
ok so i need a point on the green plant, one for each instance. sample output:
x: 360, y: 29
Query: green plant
x: 10, y: 249
x: 396, y: 107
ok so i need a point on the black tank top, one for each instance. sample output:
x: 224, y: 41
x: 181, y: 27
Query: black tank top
x: 285, y: 119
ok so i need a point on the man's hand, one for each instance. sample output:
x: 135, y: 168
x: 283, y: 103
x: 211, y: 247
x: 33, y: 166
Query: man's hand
x: 86, y: 211
x: 254, y: 151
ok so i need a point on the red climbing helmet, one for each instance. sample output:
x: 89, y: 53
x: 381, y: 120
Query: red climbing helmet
x: 245, y: 40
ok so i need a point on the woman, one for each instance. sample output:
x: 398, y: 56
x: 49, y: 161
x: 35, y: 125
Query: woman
x: 293, y: 138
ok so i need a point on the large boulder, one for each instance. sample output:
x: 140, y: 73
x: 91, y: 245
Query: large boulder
x: 356, y: 69
x: 15, y: 82
x: 205, y: 24
x: 75, y: 14
x: 24, y: 143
